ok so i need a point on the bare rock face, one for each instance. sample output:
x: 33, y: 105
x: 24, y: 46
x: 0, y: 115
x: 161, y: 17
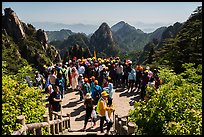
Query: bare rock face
x: 102, y: 41
x: 43, y: 39
x: 12, y: 24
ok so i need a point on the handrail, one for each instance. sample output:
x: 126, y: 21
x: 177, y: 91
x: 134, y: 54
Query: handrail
x: 59, y: 124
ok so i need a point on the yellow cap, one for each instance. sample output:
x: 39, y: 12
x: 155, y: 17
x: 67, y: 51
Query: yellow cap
x: 104, y: 94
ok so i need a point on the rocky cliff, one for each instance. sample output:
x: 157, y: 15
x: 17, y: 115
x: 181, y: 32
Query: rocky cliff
x: 31, y: 44
x: 102, y: 41
x: 12, y: 25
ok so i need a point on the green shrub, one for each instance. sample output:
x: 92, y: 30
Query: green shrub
x: 19, y: 99
x: 175, y: 108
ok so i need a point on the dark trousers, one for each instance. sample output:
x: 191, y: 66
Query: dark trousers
x: 138, y: 84
x: 125, y: 81
x: 102, y: 119
x: 109, y: 125
x: 131, y: 83
x: 81, y: 94
x: 143, y: 91
x: 118, y: 80
x: 87, y: 116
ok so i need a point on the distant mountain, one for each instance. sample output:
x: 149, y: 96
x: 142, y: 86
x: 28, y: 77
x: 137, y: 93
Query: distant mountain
x: 128, y: 37
x: 77, y: 28
x: 117, y: 26
x: 157, y: 40
x: 102, y: 41
x: 157, y: 34
x: 75, y: 45
x: 59, y: 35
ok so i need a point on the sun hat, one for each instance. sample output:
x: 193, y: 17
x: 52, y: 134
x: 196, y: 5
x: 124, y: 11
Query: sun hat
x: 92, y: 78
x: 88, y: 96
x: 104, y: 94
x: 86, y: 79
x: 146, y: 71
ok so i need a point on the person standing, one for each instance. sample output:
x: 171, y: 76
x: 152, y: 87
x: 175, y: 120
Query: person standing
x: 74, y: 75
x: 131, y: 79
x: 38, y: 80
x: 119, y: 74
x: 52, y: 78
x: 80, y: 86
x: 144, y: 82
x: 60, y: 82
x: 139, y: 70
x: 86, y: 86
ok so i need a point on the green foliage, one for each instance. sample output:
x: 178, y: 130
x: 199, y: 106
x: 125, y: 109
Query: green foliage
x: 19, y: 99
x: 175, y: 108
x: 10, y: 54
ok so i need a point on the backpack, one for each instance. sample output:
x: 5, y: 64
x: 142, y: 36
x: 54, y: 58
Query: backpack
x: 60, y: 82
x: 97, y: 92
x: 97, y: 107
x: 63, y: 72
x: 86, y: 88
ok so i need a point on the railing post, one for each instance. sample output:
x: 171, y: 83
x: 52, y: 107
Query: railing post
x: 21, y: 120
x: 131, y: 128
x: 46, y: 119
x: 56, y: 125
x: 69, y: 125
x: 124, y: 125
x: 39, y: 131
x: 50, y: 111
x: 52, y: 127
x: 33, y: 131
x: 116, y: 123
x: 125, y: 130
x: 119, y: 125
x: 60, y: 124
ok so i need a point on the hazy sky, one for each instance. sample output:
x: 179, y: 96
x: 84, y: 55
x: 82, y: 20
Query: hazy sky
x: 139, y: 14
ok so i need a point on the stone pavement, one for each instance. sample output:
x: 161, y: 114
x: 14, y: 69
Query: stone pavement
x: 123, y: 101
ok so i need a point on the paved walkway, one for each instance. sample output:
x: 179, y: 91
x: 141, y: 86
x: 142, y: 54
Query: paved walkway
x: 122, y: 101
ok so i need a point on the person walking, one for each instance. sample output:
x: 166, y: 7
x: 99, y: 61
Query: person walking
x: 89, y: 107
x: 55, y: 99
x: 80, y: 86
x: 102, y: 110
x: 96, y: 92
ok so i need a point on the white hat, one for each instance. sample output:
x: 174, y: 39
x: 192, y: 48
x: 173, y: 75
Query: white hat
x: 88, y: 96
x: 147, y: 67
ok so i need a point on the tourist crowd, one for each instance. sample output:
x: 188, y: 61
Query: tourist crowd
x: 95, y: 79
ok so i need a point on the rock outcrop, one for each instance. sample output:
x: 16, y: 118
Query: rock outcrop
x: 12, y: 24
x: 42, y: 38
x: 102, y: 41
x: 32, y: 45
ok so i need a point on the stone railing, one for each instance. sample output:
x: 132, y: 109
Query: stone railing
x: 122, y: 126
x: 59, y: 125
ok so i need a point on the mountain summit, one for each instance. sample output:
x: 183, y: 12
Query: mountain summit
x: 102, y: 41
